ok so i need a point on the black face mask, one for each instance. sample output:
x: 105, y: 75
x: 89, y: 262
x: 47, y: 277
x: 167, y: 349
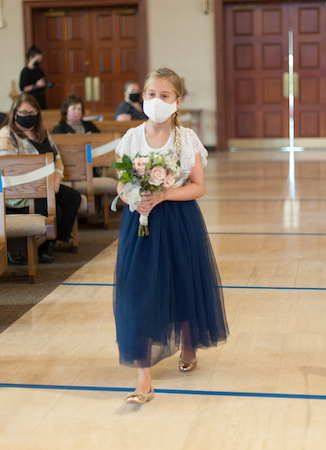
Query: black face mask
x: 37, y: 64
x: 27, y: 121
x: 134, y: 97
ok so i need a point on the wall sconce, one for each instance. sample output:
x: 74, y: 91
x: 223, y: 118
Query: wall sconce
x: 205, y: 6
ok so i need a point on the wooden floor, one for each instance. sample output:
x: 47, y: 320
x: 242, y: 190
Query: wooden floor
x: 264, y: 389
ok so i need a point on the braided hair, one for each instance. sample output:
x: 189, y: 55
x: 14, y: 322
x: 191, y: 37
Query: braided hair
x: 177, y: 85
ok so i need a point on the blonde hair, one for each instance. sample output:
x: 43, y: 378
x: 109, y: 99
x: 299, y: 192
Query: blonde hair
x: 177, y: 85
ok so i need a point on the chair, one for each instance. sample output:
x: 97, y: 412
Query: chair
x: 105, y: 185
x: 77, y: 161
x: 29, y: 226
x: 3, y: 235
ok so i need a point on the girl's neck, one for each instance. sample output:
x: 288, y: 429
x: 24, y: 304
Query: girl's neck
x: 30, y: 65
x: 157, y: 134
x: 158, y: 128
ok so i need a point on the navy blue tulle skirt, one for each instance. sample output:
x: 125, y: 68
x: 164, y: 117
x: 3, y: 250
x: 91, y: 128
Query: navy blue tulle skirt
x: 167, y: 284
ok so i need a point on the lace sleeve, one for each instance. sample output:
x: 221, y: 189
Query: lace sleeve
x: 196, y: 145
x: 191, y: 146
x: 124, y: 147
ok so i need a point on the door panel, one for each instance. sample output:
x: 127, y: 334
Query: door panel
x: 309, y: 22
x: 95, y: 42
x: 256, y: 60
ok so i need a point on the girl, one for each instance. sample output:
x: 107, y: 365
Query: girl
x: 168, y: 290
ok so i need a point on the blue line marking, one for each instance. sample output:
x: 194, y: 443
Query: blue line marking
x: 0, y: 183
x: 277, y: 288
x: 223, y: 287
x: 163, y: 391
x: 86, y: 284
x: 266, y: 234
x: 261, y: 200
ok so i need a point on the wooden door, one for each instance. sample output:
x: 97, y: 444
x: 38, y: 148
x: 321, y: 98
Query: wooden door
x: 89, y: 42
x: 309, y: 31
x: 256, y: 58
x: 115, y: 53
x: 256, y: 54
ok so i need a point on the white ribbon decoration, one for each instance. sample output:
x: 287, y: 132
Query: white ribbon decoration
x: 35, y: 175
x: 134, y: 198
x: 106, y: 148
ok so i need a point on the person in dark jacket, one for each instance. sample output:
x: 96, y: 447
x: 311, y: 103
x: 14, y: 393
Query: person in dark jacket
x: 71, y: 121
x: 32, y: 78
x: 131, y: 108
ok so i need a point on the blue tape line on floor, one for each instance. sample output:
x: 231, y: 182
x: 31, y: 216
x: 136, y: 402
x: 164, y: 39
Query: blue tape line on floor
x: 163, y: 391
x: 223, y: 287
x: 261, y: 200
x: 265, y: 234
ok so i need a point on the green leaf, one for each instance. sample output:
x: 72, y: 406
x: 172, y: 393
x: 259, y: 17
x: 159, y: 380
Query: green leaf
x: 127, y: 162
x: 117, y: 165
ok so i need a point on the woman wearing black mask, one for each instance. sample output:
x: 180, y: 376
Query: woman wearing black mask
x: 23, y: 133
x: 32, y: 78
x: 130, y: 108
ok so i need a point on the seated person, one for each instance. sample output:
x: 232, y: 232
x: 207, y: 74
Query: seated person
x: 23, y: 133
x: 72, y: 113
x: 131, y: 108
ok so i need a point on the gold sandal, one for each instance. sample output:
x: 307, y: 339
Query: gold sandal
x: 140, y: 399
x: 187, y: 366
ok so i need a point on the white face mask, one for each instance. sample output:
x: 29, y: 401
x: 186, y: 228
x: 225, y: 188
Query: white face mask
x: 159, y: 111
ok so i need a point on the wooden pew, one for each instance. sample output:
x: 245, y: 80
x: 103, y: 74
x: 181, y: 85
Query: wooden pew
x: 113, y: 126
x: 30, y: 225
x: 3, y: 234
x: 77, y: 161
x: 106, y: 184
x: 95, y: 139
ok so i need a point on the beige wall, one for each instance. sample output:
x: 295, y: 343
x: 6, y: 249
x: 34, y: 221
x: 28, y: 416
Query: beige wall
x: 180, y: 36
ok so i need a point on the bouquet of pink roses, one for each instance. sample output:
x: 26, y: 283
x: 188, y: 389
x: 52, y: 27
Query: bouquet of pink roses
x: 145, y: 173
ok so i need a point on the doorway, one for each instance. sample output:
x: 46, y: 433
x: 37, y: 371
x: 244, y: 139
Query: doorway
x: 88, y: 51
x: 256, y: 80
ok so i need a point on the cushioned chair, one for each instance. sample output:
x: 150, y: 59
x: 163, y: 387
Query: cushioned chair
x: 30, y: 226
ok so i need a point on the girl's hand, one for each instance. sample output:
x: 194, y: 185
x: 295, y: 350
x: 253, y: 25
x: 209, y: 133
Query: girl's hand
x: 149, y: 201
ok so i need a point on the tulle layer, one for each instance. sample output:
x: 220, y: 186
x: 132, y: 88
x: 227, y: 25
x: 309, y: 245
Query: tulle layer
x: 166, y: 283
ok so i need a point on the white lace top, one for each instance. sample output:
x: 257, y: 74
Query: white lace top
x: 134, y: 142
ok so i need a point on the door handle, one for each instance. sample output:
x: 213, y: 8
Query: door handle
x: 96, y: 89
x: 88, y: 89
x: 295, y: 84
x: 285, y: 84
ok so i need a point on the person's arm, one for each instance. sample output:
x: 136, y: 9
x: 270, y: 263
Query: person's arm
x: 123, y: 117
x: 190, y: 191
x: 7, y: 145
x: 184, y: 193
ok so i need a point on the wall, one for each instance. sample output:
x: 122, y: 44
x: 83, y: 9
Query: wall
x: 180, y: 36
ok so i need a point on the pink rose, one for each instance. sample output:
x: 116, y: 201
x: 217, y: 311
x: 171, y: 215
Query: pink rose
x: 157, y: 176
x: 169, y: 181
x: 139, y: 164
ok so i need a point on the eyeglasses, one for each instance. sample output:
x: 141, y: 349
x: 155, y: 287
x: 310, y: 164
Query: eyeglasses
x: 26, y: 113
